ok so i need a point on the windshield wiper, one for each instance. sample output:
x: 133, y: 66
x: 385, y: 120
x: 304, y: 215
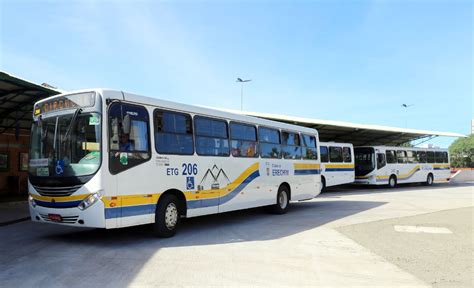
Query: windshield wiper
x: 69, y: 128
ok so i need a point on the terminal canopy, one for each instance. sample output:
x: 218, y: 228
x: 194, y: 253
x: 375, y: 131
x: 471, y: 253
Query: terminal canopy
x: 357, y: 134
x: 17, y: 97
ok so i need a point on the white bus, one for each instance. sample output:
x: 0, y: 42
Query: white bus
x: 109, y: 159
x: 382, y: 165
x: 337, y: 163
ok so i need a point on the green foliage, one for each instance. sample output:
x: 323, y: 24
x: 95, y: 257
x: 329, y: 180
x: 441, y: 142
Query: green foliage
x: 462, y: 152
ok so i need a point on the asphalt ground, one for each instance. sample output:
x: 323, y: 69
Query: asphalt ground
x: 340, y: 239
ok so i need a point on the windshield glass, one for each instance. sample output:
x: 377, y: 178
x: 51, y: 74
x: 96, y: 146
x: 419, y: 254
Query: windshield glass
x: 364, y: 161
x: 66, y: 145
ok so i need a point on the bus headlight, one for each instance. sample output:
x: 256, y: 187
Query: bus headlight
x: 32, y: 201
x: 90, y: 200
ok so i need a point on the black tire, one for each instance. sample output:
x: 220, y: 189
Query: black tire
x: 323, y: 183
x: 282, y: 200
x: 429, y: 180
x: 392, y: 181
x: 167, y: 216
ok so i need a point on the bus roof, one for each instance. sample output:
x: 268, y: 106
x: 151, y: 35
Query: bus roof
x: 144, y: 100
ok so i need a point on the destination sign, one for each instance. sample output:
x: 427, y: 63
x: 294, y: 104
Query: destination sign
x: 65, y: 102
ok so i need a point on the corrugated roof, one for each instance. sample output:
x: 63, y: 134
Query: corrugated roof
x: 357, y: 134
x: 17, y: 97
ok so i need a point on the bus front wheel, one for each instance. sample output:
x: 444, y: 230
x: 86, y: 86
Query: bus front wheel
x: 392, y: 182
x: 167, y: 216
x: 283, y: 200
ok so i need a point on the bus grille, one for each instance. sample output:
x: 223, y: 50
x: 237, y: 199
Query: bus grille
x: 57, y: 191
x: 65, y: 219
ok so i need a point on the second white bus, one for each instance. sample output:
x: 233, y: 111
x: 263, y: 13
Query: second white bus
x: 337, y: 163
x: 383, y: 165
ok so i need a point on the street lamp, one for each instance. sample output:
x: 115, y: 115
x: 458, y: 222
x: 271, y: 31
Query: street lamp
x: 406, y: 106
x: 242, y: 91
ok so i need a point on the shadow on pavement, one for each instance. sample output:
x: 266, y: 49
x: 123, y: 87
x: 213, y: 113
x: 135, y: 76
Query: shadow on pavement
x: 57, y: 254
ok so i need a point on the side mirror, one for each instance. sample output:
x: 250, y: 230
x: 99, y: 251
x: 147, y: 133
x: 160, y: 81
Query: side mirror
x: 126, y: 124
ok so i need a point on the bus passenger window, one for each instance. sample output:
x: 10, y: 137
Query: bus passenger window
x: 430, y: 155
x: 243, y: 140
x: 439, y: 157
x: 269, y: 142
x: 324, y: 154
x: 381, y: 160
x: 173, y: 133
x: 335, y: 154
x: 346, y: 155
x: 390, y: 156
x: 422, y: 156
x: 401, y: 156
x: 309, y: 149
x: 290, y: 147
x: 129, y: 136
x: 445, y: 157
x: 212, y: 138
x: 411, y: 157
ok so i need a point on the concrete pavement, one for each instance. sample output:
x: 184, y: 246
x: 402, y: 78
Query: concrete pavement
x: 312, y: 245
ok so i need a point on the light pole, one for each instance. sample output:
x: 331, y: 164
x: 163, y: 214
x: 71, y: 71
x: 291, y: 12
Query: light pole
x: 242, y: 91
x: 406, y: 106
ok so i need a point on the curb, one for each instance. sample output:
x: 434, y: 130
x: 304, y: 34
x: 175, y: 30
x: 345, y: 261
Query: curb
x: 14, y: 221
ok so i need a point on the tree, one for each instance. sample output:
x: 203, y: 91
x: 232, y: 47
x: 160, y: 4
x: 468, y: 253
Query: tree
x: 462, y: 152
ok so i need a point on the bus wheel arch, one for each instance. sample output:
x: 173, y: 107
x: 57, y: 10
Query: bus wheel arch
x: 283, y: 197
x: 183, y: 209
x: 429, y: 179
x: 323, y: 183
x: 392, y: 181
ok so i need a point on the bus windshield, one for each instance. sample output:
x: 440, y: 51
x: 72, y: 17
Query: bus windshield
x: 66, y: 145
x: 364, y: 161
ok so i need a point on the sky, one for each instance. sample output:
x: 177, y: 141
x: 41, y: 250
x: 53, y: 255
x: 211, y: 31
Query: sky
x: 355, y: 61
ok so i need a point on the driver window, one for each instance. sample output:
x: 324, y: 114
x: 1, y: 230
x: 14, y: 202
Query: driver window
x: 381, y: 160
x: 129, y: 140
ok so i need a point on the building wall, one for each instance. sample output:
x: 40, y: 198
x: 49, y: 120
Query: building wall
x: 12, y: 180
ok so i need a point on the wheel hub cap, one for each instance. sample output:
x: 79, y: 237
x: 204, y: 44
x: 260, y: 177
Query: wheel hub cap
x: 171, y: 216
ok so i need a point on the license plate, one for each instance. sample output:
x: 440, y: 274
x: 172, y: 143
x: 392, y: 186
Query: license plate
x: 55, y: 217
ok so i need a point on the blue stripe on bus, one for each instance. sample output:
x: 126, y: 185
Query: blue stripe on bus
x: 307, y: 171
x: 127, y: 211
x: 338, y: 169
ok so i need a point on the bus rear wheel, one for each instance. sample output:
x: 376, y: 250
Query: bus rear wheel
x: 429, y: 180
x: 167, y: 216
x: 392, y: 181
x: 283, y: 200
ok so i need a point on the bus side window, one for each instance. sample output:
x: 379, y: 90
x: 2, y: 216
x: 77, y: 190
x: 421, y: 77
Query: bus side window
x: 411, y: 156
x: 422, y: 156
x: 269, y: 142
x: 324, y: 154
x: 430, y: 155
x: 390, y: 156
x: 439, y: 157
x: 212, y: 137
x: 335, y: 154
x: 129, y: 141
x: 173, y: 133
x: 290, y: 147
x: 445, y: 157
x: 381, y: 160
x: 243, y: 140
x: 401, y: 156
x: 346, y: 155
x: 310, y: 152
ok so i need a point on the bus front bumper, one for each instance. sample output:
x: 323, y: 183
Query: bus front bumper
x: 93, y: 216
